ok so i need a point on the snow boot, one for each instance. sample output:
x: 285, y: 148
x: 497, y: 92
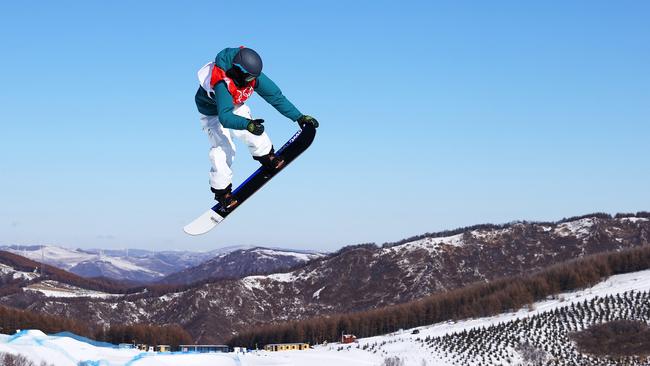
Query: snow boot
x: 271, y: 161
x: 225, y: 197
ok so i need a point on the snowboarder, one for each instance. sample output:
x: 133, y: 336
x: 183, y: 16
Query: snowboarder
x: 225, y: 85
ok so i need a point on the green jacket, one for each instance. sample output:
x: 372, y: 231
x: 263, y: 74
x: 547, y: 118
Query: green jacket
x: 220, y: 103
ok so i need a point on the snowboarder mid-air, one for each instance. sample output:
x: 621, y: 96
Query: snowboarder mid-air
x: 225, y: 85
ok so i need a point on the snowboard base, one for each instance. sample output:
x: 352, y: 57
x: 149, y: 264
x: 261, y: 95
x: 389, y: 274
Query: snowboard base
x: 203, y: 223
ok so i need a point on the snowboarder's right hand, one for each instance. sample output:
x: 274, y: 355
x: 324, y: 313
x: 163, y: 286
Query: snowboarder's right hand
x: 255, y: 126
x: 307, y: 120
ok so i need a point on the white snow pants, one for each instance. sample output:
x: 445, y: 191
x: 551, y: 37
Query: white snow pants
x: 222, y: 151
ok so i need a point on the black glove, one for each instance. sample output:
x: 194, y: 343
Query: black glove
x: 255, y: 126
x: 307, y: 120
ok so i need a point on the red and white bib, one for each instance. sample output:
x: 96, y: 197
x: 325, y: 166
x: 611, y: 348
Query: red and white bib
x: 210, y: 75
x: 239, y: 95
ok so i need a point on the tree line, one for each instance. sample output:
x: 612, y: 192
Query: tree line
x: 12, y: 320
x: 478, y: 300
x: 173, y: 335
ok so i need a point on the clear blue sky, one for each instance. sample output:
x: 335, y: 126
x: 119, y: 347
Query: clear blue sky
x: 433, y: 115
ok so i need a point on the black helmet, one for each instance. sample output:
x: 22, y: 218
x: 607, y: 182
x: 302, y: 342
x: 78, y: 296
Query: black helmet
x: 249, y: 61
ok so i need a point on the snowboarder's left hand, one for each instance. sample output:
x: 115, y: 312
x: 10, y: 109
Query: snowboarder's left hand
x: 255, y: 126
x: 305, y: 120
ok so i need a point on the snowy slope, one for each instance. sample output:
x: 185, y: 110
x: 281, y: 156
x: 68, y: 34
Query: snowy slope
x: 413, y: 348
x: 576, y: 310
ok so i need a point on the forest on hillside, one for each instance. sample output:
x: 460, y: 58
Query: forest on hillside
x: 479, y: 300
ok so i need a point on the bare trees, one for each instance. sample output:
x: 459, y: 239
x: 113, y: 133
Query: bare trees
x: 172, y: 335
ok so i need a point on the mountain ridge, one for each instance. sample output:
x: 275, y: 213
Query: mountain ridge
x: 141, y: 267
x: 241, y: 263
x: 360, y: 277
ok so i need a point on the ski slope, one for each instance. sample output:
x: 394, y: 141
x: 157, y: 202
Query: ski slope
x: 65, y: 351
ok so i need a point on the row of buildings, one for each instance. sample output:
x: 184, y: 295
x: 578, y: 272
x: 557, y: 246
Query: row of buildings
x: 286, y: 347
x: 210, y: 348
x: 195, y: 348
x: 345, y: 338
x: 216, y: 348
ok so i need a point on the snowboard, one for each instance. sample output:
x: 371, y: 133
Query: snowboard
x: 296, y: 145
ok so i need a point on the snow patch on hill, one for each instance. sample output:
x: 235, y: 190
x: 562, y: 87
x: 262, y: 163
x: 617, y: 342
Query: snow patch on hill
x: 316, y: 294
x: 429, y: 244
x: 171, y: 296
x: 579, y: 228
x: 51, y: 288
x: 489, y: 234
x: 5, y: 269
x: 299, y: 256
x: 254, y: 282
x: 633, y: 220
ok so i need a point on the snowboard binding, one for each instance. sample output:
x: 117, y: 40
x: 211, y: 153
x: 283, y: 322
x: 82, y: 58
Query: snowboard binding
x: 271, y: 161
x: 225, y: 198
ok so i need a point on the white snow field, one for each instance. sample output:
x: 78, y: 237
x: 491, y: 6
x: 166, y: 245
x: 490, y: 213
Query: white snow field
x: 64, y: 351
x: 411, y: 349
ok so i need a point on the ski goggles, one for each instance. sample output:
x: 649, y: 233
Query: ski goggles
x: 246, y: 76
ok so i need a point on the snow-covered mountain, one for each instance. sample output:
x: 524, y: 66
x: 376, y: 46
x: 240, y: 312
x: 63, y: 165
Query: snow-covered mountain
x: 241, y: 263
x: 359, y: 277
x: 538, y: 334
x: 172, y: 267
x: 135, y: 265
x: 18, y: 273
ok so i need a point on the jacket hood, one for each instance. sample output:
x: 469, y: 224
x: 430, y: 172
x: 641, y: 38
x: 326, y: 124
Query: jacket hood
x: 225, y: 57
